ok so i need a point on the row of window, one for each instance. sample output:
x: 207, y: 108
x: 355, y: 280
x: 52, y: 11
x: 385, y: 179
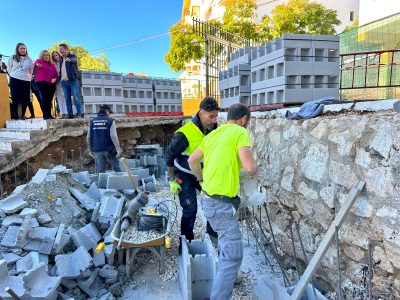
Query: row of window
x: 129, y: 79
x: 119, y: 108
x: 116, y: 92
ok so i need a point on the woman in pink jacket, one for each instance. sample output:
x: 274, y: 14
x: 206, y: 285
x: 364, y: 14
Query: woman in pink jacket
x: 46, y: 78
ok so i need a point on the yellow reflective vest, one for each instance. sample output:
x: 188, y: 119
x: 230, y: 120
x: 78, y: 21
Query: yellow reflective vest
x: 194, y: 136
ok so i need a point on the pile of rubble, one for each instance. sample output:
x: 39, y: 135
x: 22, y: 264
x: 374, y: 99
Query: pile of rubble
x: 50, y: 228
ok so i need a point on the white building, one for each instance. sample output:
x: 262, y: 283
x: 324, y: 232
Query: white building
x: 130, y: 93
x: 372, y: 10
x: 347, y: 10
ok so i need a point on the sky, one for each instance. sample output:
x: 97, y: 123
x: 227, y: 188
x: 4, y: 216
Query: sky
x: 94, y: 25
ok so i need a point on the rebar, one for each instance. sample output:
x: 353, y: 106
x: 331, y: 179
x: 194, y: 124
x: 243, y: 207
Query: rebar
x: 80, y: 158
x: 1, y: 186
x: 339, y: 293
x: 72, y: 159
x: 294, y: 250
x: 62, y: 157
x: 49, y: 160
x: 253, y: 216
x: 297, y: 226
x: 15, y: 171
x: 27, y: 167
x: 369, y: 270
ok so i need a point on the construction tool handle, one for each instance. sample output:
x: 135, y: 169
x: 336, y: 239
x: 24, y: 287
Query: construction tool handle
x: 130, y: 175
x: 12, y: 293
x: 120, y: 240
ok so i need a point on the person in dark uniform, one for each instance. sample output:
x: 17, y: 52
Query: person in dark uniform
x: 181, y: 179
x: 103, y: 141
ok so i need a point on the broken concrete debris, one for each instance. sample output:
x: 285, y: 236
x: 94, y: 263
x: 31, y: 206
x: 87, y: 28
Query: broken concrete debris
x: 53, y: 253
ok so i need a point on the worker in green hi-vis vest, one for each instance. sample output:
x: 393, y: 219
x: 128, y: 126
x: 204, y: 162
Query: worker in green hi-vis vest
x: 181, y: 179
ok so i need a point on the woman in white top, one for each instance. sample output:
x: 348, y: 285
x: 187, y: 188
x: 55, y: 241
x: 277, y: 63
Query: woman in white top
x: 62, y: 105
x: 20, y: 68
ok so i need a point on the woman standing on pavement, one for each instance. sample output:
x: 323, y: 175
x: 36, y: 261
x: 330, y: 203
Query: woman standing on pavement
x: 55, y: 57
x: 46, y: 78
x: 20, y: 68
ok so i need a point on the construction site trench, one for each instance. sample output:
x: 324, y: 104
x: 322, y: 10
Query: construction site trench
x: 307, y: 169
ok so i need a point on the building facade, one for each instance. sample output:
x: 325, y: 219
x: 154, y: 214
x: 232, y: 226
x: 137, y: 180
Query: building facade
x: 130, y: 93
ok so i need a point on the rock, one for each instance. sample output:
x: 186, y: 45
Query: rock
x: 392, y: 252
x: 381, y: 260
x: 380, y: 181
x: 383, y: 139
x: 287, y: 178
x: 307, y: 192
x: 314, y: 165
x: 362, y: 208
x: 354, y: 253
x: 362, y: 158
x: 386, y: 212
x: 116, y: 289
x: 44, y: 219
x: 342, y: 175
x: 328, y: 195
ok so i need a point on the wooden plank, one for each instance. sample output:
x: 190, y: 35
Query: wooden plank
x: 326, y: 241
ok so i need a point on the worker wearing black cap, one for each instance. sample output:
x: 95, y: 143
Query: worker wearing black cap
x: 103, y: 141
x: 181, y: 179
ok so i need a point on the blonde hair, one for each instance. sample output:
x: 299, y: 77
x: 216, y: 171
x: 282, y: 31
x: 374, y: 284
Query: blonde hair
x: 52, y: 54
x: 42, y: 53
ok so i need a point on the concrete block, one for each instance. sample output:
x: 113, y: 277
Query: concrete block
x: 74, y: 264
x: 110, y: 209
x: 31, y: 260
x: 94, y: 177
x: 107, y: 296
x: 33, y: 245
x: 14, y: 282
x: 12, y: 220
x: 132, y: 163
x: 99, y: 259
x: 102, y: 183
x: 87, y: 237
x: 69, y: 283
x: 24, y: 230
x: 109, y: 250
x: 108, y: 272
x: 40, y: 233
x: 151, y: 187
x: 121, y: 182
x: 51, y: 178
x: 93, y: 192
x: 40, y: 176
x: 141, y: 173
x: 61, y: 239
x: 11, y: 258
x: 87, y: 202
x: 82, y: 177
x: 44, y: 219
x: 2, y: 215
x: 46, y: 246
x: 28, y: 212
x: 91, y: 285
x: 12, y: 204
x: 39, y: 285
x: 18, y: 190
x: 57, y: 169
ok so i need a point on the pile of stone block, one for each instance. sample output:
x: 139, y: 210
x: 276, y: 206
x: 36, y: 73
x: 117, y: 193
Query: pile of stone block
x: 197, y: 268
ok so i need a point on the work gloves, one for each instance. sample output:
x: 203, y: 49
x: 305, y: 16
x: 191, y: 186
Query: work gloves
x: 119, y: 153
x: 174, y: 187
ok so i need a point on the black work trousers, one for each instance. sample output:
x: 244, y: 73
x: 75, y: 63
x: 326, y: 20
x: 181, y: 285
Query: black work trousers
x: 21, y: 95
x: 47, y: 91
x: 188, y: 201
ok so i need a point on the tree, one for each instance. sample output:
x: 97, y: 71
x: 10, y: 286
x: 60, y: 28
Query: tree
x: 300, y: 16
x: 355, y: 24
x: 239, y: 18
x: 186, y: 45
x: 86, y: 60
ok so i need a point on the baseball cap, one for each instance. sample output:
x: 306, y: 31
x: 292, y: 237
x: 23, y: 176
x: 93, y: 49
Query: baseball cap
x: 209, y: 104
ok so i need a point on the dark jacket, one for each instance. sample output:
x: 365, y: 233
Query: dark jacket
x: 71, y: 67
x: 178, y: 145
x: 100, y: 139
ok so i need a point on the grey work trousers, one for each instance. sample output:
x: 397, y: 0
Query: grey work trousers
x: 102, y: 157
x: 223, y: 219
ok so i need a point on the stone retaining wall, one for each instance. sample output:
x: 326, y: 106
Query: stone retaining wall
x: 309, y: 166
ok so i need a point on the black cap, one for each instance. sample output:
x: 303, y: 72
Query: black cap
x: 105, y: 107
x: 209, y: 104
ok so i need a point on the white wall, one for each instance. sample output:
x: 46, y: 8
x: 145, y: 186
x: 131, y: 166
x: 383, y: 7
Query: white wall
x: 372, y: 10
x: 343, y: 8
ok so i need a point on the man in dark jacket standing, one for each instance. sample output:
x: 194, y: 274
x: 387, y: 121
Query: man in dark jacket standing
x: 69, y: 75
x: 181, y: 179
x: 103, y: 141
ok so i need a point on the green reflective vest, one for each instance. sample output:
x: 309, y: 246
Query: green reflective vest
x: 194, y: 136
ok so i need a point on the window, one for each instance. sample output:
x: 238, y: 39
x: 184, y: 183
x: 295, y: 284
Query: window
x: 108, y: 92
x: 165, y: 95
x: 158, y: 95
x: 166, y: 108
x: 149, y: 94
x: 97, y: 91
x: 142, y: 108
x: 179, y: 96
x: 86, y: 75
x: 88, y: 109
x: 87, y: 91
x: 159, y: 107
x: 149, y: 108
x: 132, y: 94
x: 141, y: 94
x: 126, y: 107
x: 134, y: 108
x: 107, y: 76
x: 179, y: 108
x: 172, y: 95
x: 125, y: 94
x: 119, y: 108
x: 117, y: 92
x: 173, y: 108
x: 97, y: 76
x: 351, y: 16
